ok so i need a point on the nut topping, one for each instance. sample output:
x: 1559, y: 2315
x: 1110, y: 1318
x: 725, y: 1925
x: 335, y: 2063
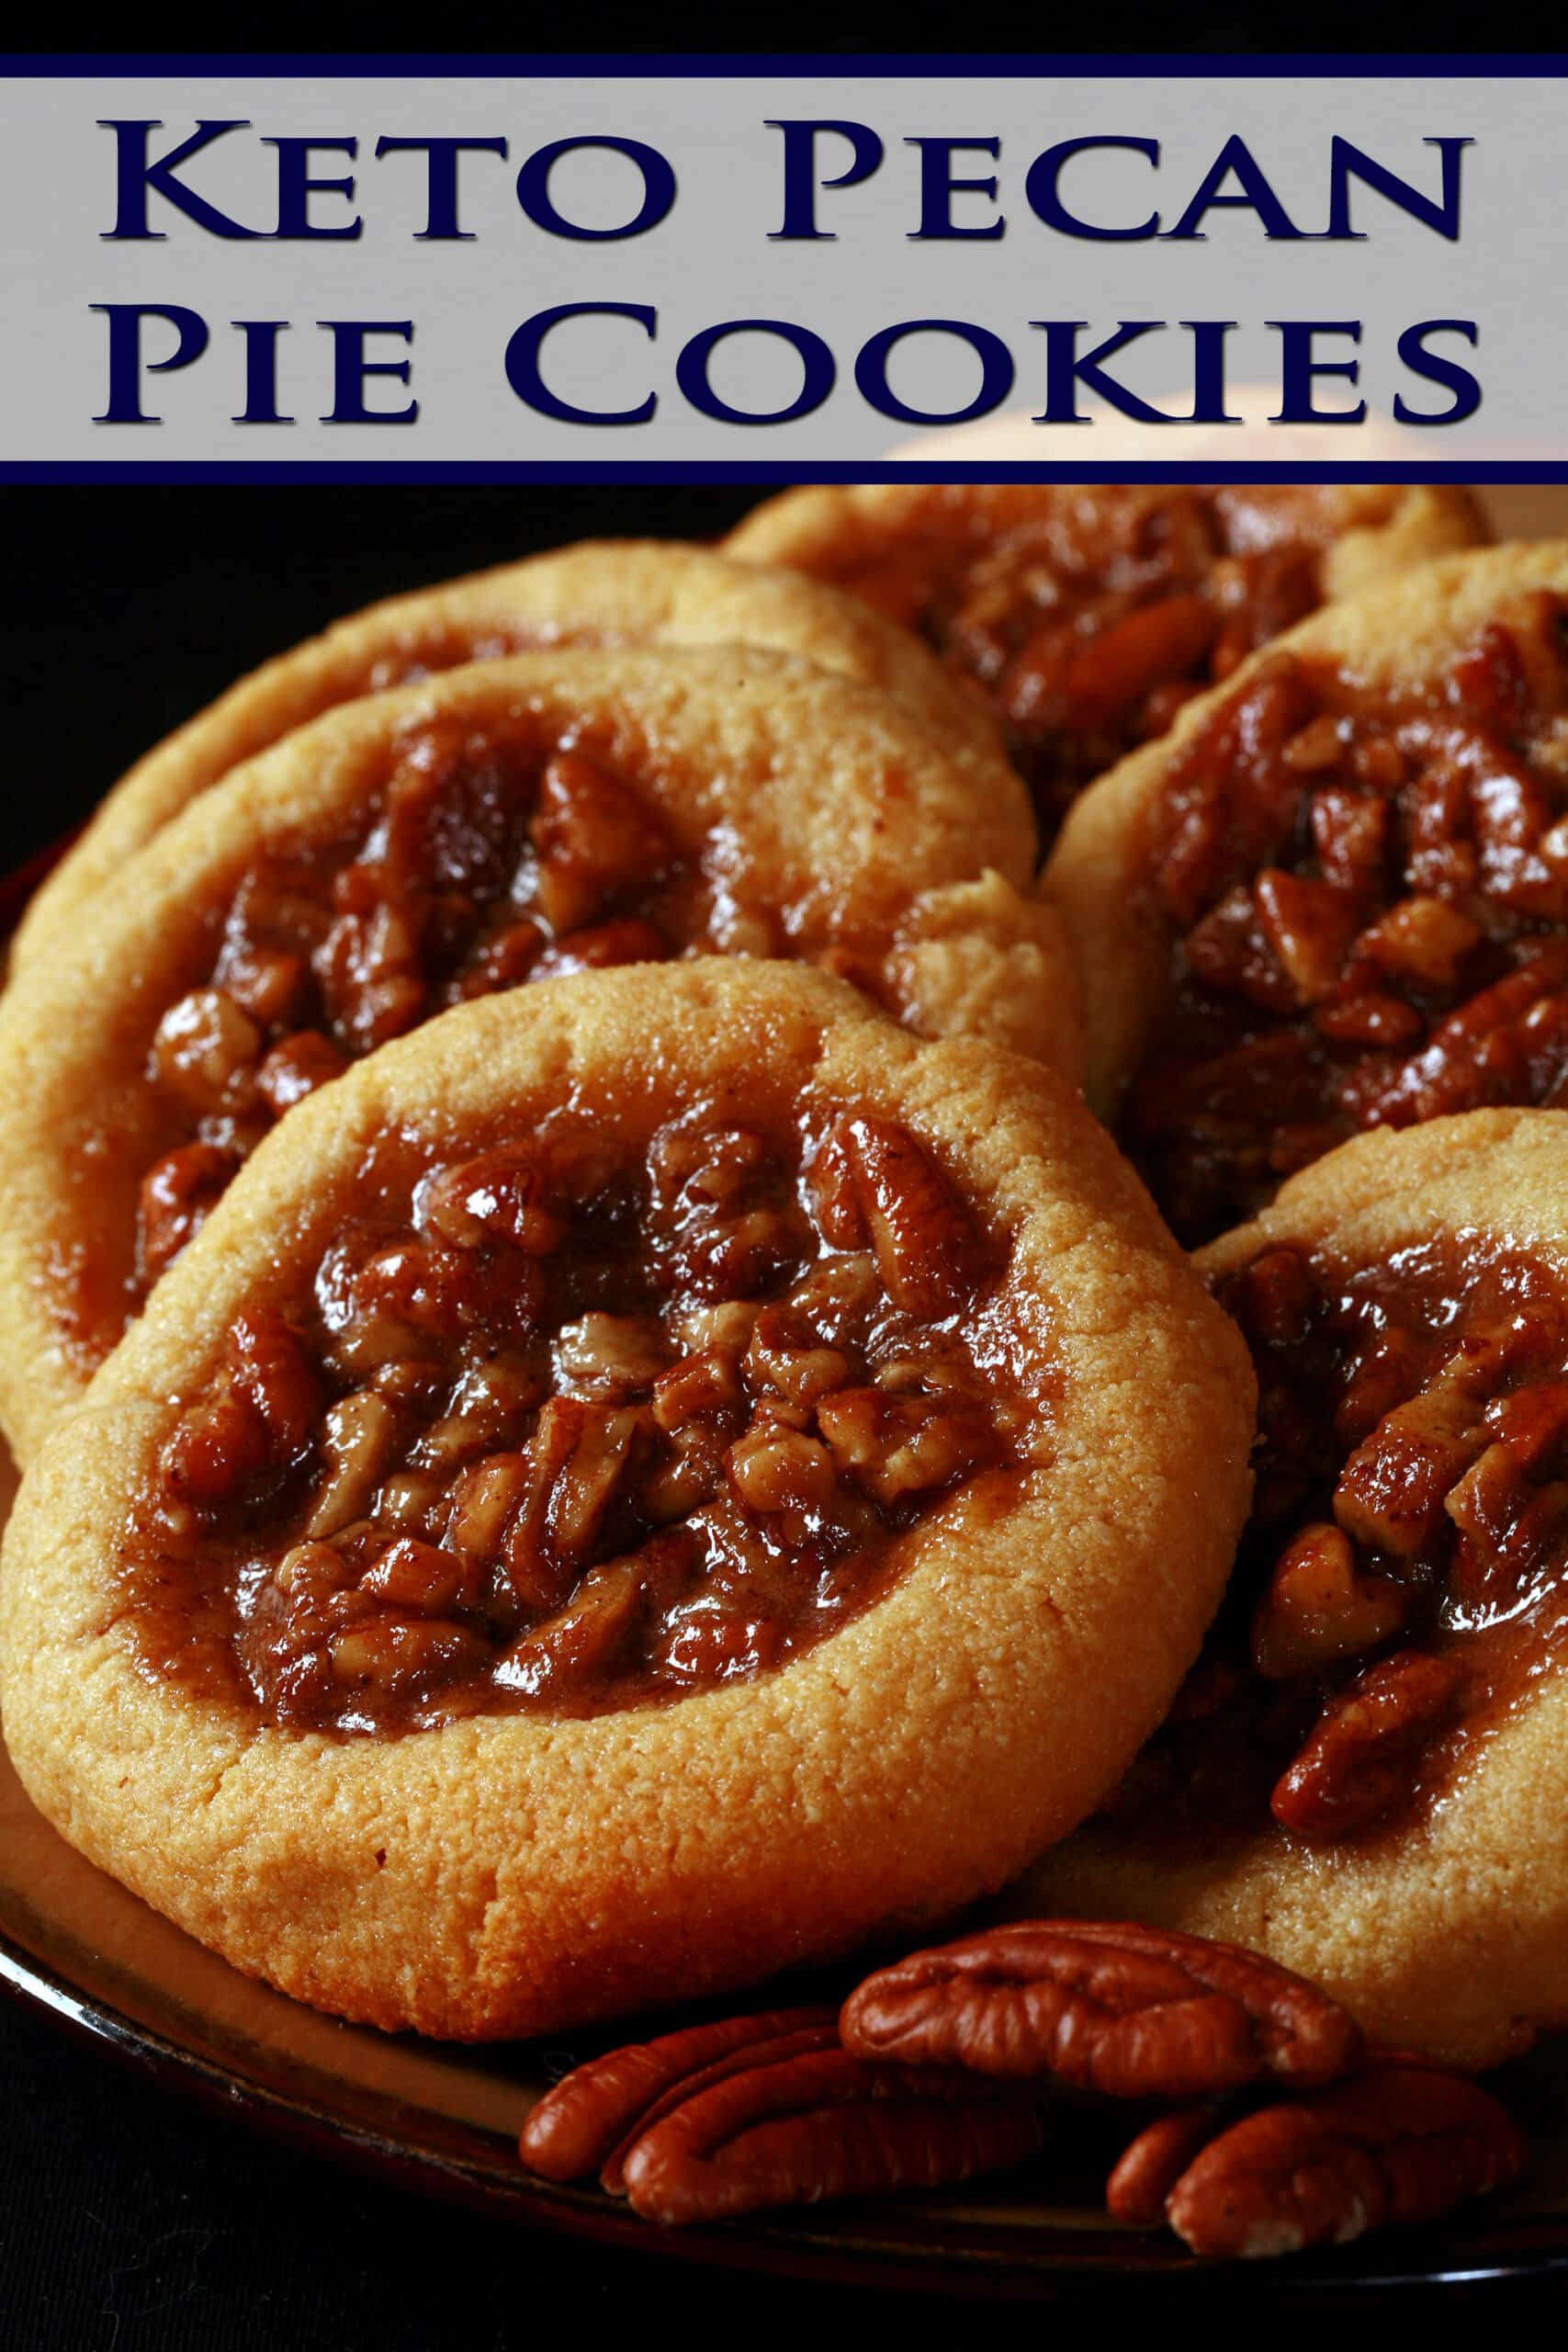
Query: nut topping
x: 1149, y: 2168
x: 1370, y: 909
x: 1404, y: 1571
x: 558, y: 1431
x: 1399, y: 2143
x: 578, y: 2125
x: 751, y: 2112
x: 1356, y: 1766
x: 486, y: 861
x: 1132, y: 2012
x: 1088, y: 623
x: 821, y: 2125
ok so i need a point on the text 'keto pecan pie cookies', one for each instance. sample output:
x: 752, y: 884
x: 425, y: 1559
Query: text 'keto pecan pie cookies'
x: 608, y: 592
x: 502, y: 824
x: 1367, y: 1774
x: 1086, y: 617
x: 1338, y: 896
x: 643, y: 1482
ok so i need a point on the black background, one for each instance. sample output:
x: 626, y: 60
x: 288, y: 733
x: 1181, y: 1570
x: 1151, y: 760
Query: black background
x: 129, y: 2216
x: 131, y: 608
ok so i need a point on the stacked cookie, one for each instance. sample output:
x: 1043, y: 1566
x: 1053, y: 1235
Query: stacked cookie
x: 601, y: 1418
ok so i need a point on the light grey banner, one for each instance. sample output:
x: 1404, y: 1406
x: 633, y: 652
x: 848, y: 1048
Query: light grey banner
x: 1338, y: 209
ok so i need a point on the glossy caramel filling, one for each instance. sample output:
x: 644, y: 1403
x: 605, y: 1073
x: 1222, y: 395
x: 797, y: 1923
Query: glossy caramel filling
x: 1402, y: 1581
x: 555, y: 1431
x: 1089, y: 625
x: 1369, y: 897
x: 486, y: 860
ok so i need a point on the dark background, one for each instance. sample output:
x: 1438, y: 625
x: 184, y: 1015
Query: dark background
x: 129, y: 608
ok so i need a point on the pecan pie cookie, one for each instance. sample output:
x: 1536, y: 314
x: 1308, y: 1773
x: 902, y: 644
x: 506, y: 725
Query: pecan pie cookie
x: 1366, y: 1776
x: 605, y: 593
x: 644, y: 1481
x: 1086, y: 617
x: 504, y: 823
x: 1337, y: 898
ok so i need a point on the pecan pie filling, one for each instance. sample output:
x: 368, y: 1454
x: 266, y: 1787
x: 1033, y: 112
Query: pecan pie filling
x: 490, y: 859
x: 1403, y: 1578
x: 556, y: 1431
x: 1089, y: 626
x: 1372, y: 899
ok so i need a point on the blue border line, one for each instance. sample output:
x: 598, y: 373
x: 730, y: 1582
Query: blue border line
x: 751, y: 65
x: 370, y: 470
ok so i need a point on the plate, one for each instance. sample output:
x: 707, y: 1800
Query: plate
x: 444, y: 2117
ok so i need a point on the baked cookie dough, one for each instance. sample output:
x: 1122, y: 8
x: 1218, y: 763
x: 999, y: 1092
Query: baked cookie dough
x: 1336, y: 898
x: 603, y: 593
x: 643, y: 1481
x: 501, y: 823
x: 1366, y: 1777
x: 1087, y: 616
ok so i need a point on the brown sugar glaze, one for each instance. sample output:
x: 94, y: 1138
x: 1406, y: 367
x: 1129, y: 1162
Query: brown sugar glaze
x: 1089, y: 625
x: 1370, y: 898
x: 487, y: 857
x: 557, y: 1430
x: 1403, y: 1580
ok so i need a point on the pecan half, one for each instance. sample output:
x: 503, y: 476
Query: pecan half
x: 587, y: 2115
x: 1399, y: 2143
x: 1130, y: 2011
x: 1150, y: 2167
x: 821, y: 2125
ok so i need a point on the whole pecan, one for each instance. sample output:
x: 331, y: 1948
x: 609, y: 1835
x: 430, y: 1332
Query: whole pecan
x: 584, y: 2119
x: 1399, y: 2143
x: 821, y: 2124
x: 1131, y: 2011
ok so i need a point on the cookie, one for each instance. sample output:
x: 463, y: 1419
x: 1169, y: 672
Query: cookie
x: 643, y: 1482
x: 1086, y: 618
x: 1338, y: 896
x: 500, y: 824
x: 1367, y: 1775
x: 603, y: 593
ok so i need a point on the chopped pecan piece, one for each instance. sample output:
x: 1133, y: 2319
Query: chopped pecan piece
x: 1392, y: 1491
x: 502, y: 1192
x: 296, y: 1067
x: 205, y: 1051
x: 896, y: 1446
x: 258, y: 1417
x: 176, y: 1194
x: 1399, y: 2143
x: 359, y: 1437
x: 1133, y: 2012
x: 890, y: 1188
x: 423, y: 1577
x: 1359, y: 1761
x: 595, y: 837
x: 1318, y: 1607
